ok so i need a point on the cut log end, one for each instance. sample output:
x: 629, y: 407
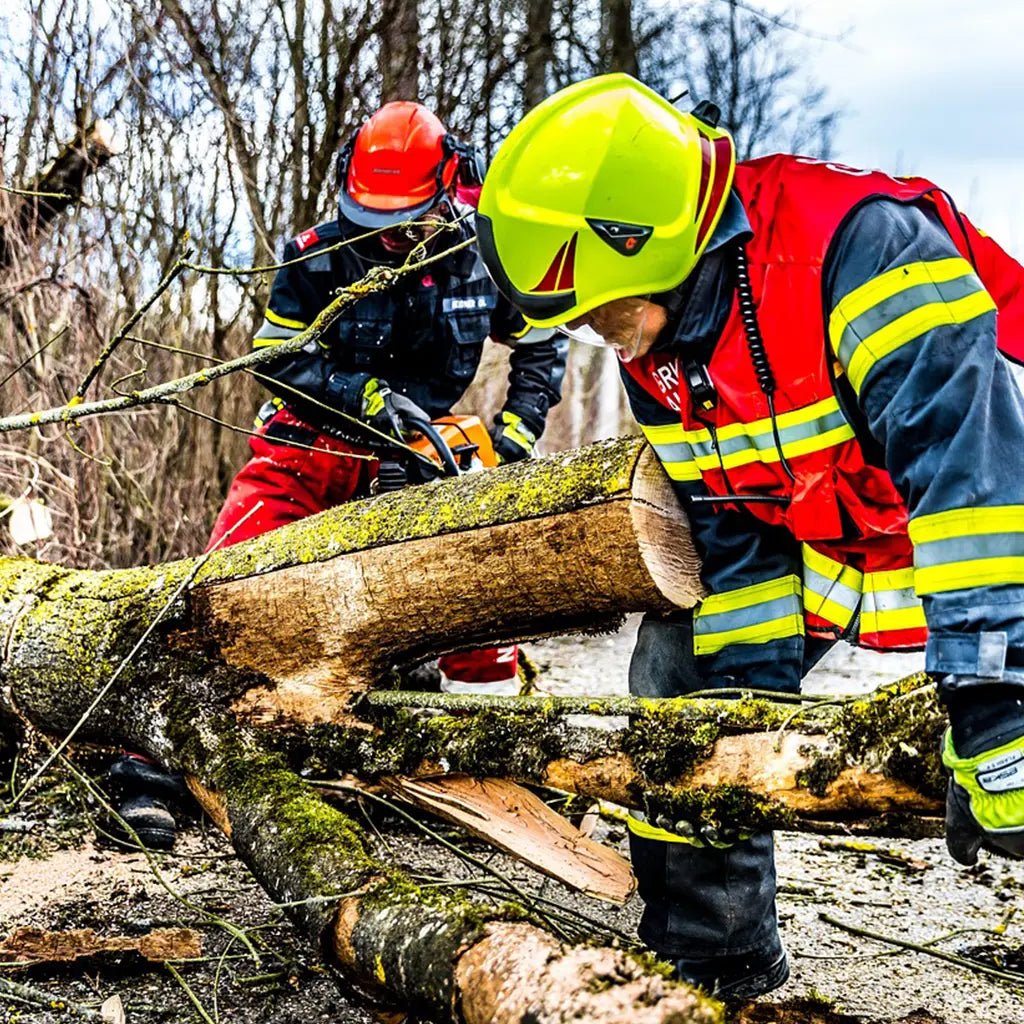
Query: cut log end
x: 663, y: 534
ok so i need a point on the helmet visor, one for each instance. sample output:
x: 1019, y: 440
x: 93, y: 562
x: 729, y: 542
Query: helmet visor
x: 584, y: 334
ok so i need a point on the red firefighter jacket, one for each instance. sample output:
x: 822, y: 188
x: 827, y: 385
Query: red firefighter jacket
x: 841, y: 505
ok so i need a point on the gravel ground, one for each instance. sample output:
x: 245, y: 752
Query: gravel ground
x: 57, y: 878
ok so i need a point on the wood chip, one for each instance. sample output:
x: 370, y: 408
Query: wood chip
x: 517, y: 822
x: 34, y: 945
x: 112, y: 1011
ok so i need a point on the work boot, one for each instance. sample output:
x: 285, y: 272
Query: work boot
x: 735, y: 977
x: 144, y: 796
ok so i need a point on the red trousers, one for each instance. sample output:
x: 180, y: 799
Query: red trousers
x: 295, y: 482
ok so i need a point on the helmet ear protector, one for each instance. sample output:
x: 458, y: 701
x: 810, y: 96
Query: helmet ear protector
x: 470, y: 171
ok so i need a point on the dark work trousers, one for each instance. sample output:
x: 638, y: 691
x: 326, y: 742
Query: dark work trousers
x: 713, y: 909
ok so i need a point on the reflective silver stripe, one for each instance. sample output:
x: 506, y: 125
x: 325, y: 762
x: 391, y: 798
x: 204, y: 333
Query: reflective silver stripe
x: 895, y: 306
x: 742, y: 618
x: 890, y: 600
x: 679, y: 452
x: 969, y: 548
x: 830, y: 590
x: 275, y: 332
x: 765, y: 441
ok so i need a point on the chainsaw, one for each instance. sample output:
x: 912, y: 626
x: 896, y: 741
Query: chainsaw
x: 447, y: 446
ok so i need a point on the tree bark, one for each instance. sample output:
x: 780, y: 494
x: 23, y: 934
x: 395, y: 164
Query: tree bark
x: 400, y: 53
x: 287, y: 632
x: 59, y: 186
x: 539, y: 46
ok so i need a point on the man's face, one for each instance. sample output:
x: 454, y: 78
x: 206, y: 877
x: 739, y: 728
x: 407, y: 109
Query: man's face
x: 405, y: 238
x: 631, y: 326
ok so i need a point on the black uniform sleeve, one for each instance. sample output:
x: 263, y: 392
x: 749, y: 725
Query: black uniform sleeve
x: 749, y: 630
x: 537, y: 365
x: 309, y: 380
x: 915, y: 332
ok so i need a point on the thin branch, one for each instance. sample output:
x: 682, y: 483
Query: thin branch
x: 960, y: 961
x: 47, y: 1000
x: 41, y: 195
x: 377, y: 280
x: 542, y: 704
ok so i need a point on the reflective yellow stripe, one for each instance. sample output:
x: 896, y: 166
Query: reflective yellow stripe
x: 281, y: 321
x: 890, y: 602
x: 912, y: 326
x: 978, y: 572
x: 897, y: 280
x: 890, y: 579
x: 960, y: 522
x: 749, y: 615
x: 258, y: 342
x: 968, y: 547
x: 831, y: 589
x: 686, y: 453
x: 667, y: 440
x: 894, y: 324
x: 891, y: 620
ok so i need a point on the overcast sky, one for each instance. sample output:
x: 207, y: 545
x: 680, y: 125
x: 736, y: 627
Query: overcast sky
x: 933, y: 88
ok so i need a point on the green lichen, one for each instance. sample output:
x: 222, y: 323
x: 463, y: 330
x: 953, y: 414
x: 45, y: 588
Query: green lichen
x: 895, y: 731
x: 559, y: 483
x: 494, y: 742
x: 667, y: 742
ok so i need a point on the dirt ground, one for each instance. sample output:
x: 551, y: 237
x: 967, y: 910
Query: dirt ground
x: 56, y: 876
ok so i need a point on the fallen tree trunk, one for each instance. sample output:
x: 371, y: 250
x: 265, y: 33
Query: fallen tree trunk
x: 294, y: 625
x: 256, y: 659
x: 440, y: 955
x: 752, y: 762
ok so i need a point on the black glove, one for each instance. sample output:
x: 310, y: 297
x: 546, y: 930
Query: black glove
x: 984, y: 749
x: 513, y: 439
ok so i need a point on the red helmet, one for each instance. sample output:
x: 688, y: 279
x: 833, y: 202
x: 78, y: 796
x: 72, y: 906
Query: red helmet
x: 398, y: 165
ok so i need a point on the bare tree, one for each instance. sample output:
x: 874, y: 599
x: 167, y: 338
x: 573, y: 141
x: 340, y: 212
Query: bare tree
x: 400, y: 50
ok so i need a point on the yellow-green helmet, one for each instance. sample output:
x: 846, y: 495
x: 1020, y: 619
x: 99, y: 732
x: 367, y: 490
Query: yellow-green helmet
x: 604, y: 190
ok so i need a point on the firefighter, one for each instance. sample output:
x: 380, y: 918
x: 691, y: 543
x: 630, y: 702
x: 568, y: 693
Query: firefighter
x: 413, y: 349
x: 813, y: 352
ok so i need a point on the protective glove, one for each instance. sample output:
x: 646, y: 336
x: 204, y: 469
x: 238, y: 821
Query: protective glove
x: 984, y: 749
x: 513, y: 439
x: 985, y: 800
x: 386, y: 410
x: 691, y: 831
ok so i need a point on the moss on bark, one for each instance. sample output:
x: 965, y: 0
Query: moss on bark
x: 895, y: 731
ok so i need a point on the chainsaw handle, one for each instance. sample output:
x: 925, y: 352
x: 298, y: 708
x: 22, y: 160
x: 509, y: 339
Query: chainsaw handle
x: 444, y: 453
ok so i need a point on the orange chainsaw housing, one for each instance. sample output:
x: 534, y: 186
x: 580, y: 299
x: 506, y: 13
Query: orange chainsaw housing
x: 456, y: 432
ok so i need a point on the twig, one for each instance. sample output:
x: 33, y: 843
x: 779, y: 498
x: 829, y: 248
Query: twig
x: 231, y: 929
x: 36, y: 996
x: 188, y: 991
x: 38, y: 352
x: 111, y: 346
x: 476, y: 861
x: 39, y: 195
x: 960, y: 961
x: 379, y: 279
x: 537, y: 703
